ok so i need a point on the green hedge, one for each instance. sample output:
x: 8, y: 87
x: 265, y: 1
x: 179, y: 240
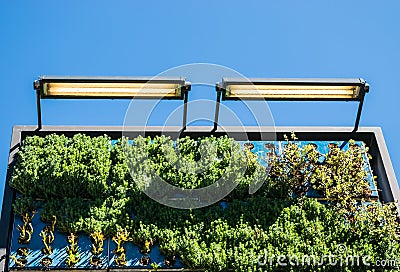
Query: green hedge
x: 57, y: 167
x: 86, y: 183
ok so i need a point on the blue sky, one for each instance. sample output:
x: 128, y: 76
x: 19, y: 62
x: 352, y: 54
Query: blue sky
x: 256, y: 38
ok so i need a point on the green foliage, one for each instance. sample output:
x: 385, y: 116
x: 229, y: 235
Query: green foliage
x: 76, y: 214
x: 94, y: 188
x: 107, y: 216
x: 69, y: 212
x: 120, y: 179
x: 312, y: 228
x: 168, y: 240
x: 189, y: 164
x: 53, y: 166
x: 144, y: 236
x: 342, y: 176
x: 24, y: 204
x: 290, y: 172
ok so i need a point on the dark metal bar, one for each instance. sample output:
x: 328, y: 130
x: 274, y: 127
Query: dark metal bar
x: 359, y: 112
x: 6, y: 224
x: 39, y: 110
x: 112, y: 79
x: 290, y: 99
x: 294, y: 81
x: 218, y: 102
x: 7, y: 217
x: 185, y: 100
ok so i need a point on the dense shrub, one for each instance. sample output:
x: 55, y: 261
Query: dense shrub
x: 91, y: 186
x: 57, y: 166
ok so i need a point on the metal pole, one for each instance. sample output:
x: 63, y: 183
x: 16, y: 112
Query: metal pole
x: 216, y: 116
x: 359, y: 112
x: 185, y: 100
x: 39, y: 110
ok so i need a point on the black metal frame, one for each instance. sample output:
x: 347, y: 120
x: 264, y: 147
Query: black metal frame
x: 39, y: 88
x: 222, y: 87
x: 373, y: 138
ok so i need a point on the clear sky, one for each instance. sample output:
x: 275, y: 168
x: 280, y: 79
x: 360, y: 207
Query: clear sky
x: 284, y: 38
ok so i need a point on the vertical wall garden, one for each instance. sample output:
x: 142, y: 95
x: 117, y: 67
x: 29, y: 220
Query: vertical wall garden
x: 79, y: 206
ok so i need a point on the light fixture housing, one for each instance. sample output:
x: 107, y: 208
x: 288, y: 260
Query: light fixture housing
x: 77, y: 87
x: 316, y: 89
x: 111, y: 87
x: 292, y: 89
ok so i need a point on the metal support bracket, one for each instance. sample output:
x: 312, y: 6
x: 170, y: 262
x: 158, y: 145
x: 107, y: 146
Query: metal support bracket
x: 360, y: 105
x: 39, y: 110
x: 217, y: 104
x: 185, y: 101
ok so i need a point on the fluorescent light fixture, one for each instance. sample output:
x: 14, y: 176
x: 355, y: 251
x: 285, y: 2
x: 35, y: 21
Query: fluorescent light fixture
x: 111, y: 87
x: 292, y: 89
